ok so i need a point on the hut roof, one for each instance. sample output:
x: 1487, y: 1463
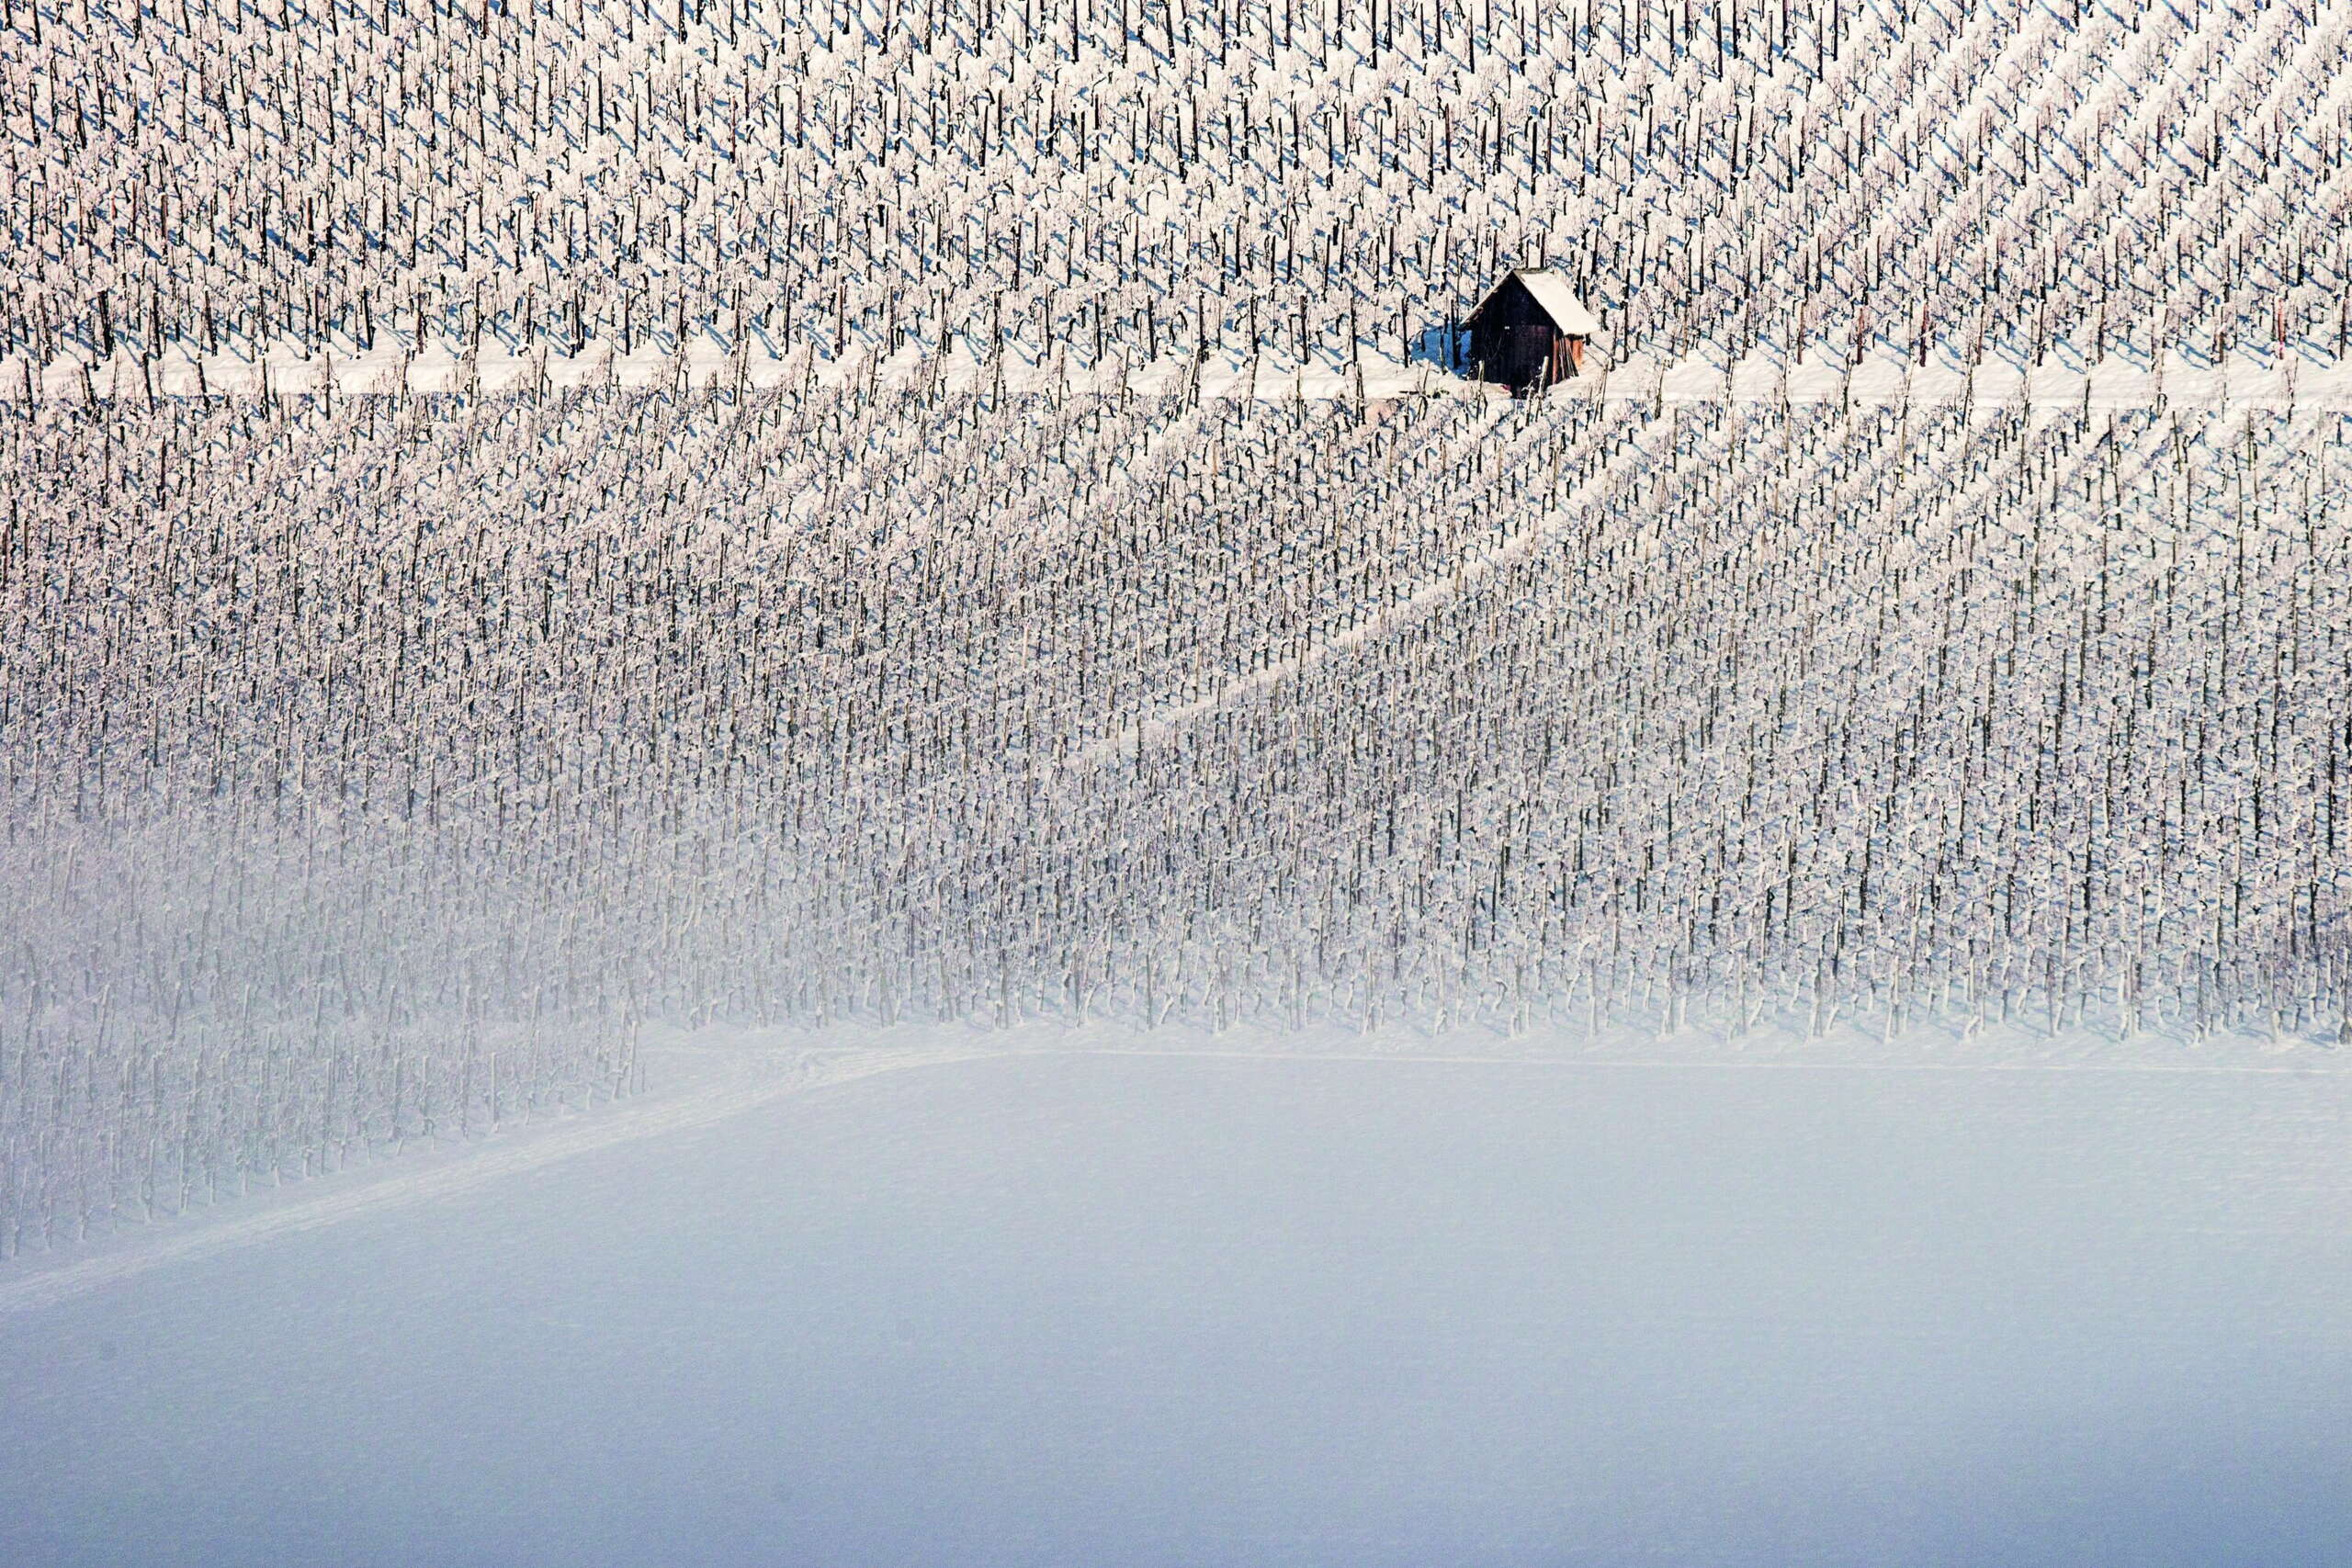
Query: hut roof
x: 1551, y: 291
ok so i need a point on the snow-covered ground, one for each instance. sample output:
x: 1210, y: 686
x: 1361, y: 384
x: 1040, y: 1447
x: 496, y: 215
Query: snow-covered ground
x: 2279, y: 382
x: 1048, y: 1309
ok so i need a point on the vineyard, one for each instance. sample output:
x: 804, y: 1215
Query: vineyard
x: 370, y: 773
x: 974, y: 521
x: 1138, y: 180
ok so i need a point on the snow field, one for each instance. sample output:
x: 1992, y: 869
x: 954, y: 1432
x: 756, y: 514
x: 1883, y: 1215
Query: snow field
x: 1163, y: 1312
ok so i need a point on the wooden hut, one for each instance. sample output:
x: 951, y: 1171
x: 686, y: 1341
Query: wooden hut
x: 1531, y: 330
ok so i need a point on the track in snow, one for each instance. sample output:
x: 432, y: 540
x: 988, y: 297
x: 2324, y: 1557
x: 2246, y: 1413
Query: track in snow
x: 397, y: 1183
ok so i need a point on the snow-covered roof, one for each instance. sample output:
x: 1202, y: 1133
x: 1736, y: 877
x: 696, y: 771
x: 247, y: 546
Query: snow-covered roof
x: 1559, y: 301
